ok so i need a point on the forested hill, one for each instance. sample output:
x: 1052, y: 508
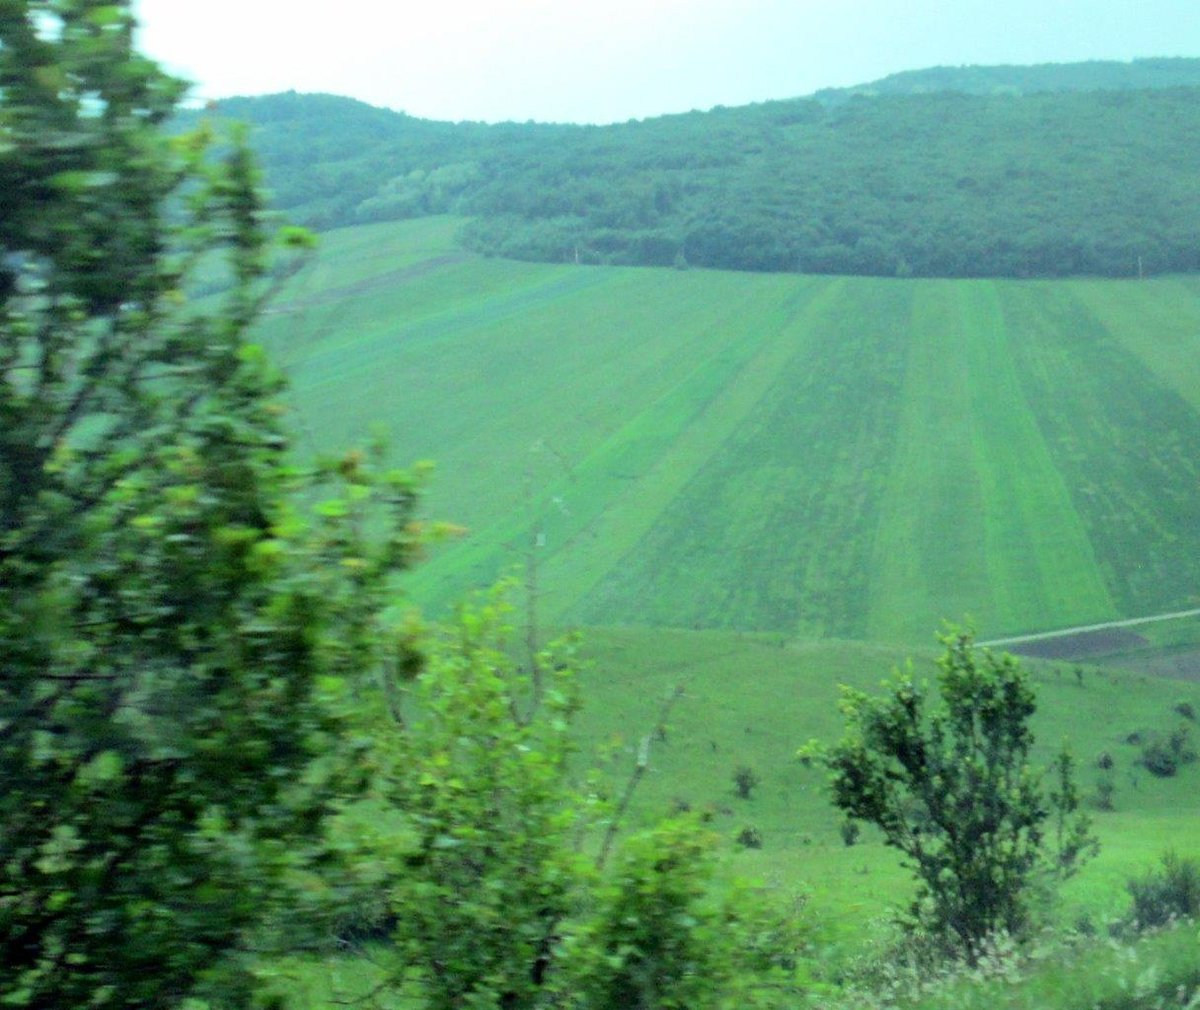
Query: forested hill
x: 1011, y: 79
x: 940, y: 184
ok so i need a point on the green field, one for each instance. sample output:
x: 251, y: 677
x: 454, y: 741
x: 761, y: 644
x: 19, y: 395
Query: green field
x: 753, y: 699
x: 852, y: 458
x: 765, y: 486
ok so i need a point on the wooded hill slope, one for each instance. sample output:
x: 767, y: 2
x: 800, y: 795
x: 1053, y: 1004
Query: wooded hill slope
x: 1015, y: 79
x: 1053, y: 183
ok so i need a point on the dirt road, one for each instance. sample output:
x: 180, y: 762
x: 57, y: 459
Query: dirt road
x: 1085, y: 628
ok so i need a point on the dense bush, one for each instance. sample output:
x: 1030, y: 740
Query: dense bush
x: 663, y: 938
x: 1163, y: 756
x: 1172, y: 892
x: 177, y: 633
x: 750, y: 838
x: 745, y: 780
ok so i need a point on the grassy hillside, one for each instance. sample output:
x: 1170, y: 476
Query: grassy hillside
x: 840, y: 457
x: 753, y: 699
x: 786, y: 463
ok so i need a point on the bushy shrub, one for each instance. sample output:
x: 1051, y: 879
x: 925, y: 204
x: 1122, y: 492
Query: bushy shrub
x: 745, y: 779
x: 949, y: 781
x: 663, y: 937
x: 1173, y: 892
x: 1163, y: 756
x: 750, y: 838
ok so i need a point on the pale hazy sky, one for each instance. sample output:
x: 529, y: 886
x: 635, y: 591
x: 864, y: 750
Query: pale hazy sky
x: 611, y: 60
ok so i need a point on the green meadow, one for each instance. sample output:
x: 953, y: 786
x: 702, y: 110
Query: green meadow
x: 848, y: 458
x: 761, y: 487
x: 752, y: 700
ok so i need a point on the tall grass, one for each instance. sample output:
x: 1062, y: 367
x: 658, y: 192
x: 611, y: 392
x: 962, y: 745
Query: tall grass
x: 1155, y: 972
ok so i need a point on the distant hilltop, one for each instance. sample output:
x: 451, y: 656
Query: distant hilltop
x: 1043, y: 171
x: 1011, y: 79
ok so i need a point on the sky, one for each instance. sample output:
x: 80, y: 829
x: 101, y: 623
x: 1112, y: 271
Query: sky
x: 599, y: 61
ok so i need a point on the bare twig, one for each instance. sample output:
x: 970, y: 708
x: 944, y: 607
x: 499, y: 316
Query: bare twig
x: 536, y: 541
x: 639, y: 771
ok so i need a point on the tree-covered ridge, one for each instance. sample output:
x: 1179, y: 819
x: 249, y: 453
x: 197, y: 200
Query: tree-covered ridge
x: 941, y: 184
x: 326, y: 156
x: 1090, y: 75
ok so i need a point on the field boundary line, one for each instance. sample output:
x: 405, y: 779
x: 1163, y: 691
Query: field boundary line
x: 1129, y: 622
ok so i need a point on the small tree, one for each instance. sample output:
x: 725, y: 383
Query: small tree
x: 952, y: 787
x: 485, y: 860
x: 472, y: 759
x: 745, y: 780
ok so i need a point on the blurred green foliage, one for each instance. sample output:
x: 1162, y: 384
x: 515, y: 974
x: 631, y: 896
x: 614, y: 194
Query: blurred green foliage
x: 176, y: 639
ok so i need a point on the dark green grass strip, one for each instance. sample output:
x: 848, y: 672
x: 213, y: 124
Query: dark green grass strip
x: 1158, y: 321
x: 1040, y: 565
x: 600, y: 497
x: 775, y: 531
x: 1125, y: 442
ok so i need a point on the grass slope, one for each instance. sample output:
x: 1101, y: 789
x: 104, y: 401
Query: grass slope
x: 844, y: 457
x: 754, y: 699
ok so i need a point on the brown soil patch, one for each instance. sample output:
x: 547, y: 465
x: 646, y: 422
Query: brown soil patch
x: 1081, y: 645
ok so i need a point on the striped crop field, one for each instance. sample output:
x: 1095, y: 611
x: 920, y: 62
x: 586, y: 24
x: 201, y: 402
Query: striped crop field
x: 812, y: 456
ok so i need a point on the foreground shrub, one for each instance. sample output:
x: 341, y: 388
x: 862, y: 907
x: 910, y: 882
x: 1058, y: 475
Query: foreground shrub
x: 665, y: 936
x: 475, y: 833
x: 471, y: 759
x: 1161, y: 972
x: 174, y: 638
x: 1173, y: 892
x: 951, y: 785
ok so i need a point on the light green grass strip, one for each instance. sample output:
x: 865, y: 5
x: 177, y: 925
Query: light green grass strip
x: 1041, y: 565
x: 1158, y: 321
x: 928, y: 561
x: 615, y: 488
x: 764, y: 341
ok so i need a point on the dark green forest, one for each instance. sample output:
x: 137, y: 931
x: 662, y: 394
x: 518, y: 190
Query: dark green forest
x: 942, y: 184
